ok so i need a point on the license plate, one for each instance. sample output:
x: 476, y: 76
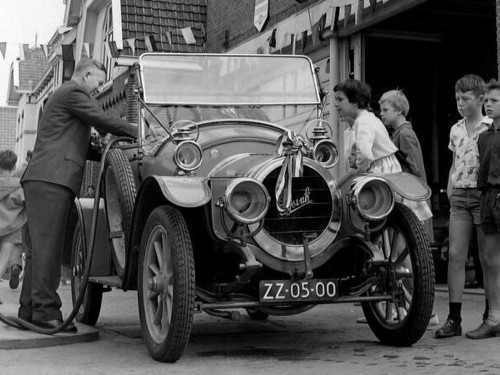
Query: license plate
x: 298, y: 290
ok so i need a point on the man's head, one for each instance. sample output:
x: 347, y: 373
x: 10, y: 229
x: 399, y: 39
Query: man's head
x: 469, y: 95
x: 394, y: 107
x: 90, y: 74
x: 8, y: 160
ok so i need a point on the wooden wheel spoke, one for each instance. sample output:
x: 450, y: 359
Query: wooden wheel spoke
x: 401, y: 257
x: 154, y: 268
x: 165, y: 319
x: 158, y: 251
x: 158, y: 314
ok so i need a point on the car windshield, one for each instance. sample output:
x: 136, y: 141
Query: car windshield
x: 228, y: 80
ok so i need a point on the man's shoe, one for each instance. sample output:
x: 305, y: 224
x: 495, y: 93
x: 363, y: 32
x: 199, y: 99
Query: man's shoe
x: 53, y: 324
x: 484, y: 331
x: 449, y: 329
x: 15, y: 271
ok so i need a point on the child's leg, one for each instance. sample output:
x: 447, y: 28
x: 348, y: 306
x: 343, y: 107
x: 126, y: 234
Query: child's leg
x: 17, y: 255
x: 490, y: 261
x: 6, y: 251
x: 460, y: 235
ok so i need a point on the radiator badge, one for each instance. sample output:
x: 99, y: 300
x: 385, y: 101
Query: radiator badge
x: 298, y: 203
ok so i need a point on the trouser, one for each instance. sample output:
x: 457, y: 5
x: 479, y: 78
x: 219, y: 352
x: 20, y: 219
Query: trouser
x: 47, y: 207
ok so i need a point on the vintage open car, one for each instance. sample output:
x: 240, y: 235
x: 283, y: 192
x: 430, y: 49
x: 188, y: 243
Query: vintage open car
x: 227, y: 203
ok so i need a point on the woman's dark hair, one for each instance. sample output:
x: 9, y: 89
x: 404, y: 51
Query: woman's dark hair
x: 356, y: 91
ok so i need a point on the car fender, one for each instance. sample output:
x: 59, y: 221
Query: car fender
x: 404, y: 184
x: 184, y: 191
x: 179, y: 191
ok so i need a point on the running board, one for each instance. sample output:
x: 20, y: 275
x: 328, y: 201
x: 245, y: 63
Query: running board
x: 113, y: 281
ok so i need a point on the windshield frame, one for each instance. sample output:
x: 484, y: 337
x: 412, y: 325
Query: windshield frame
x: 311, y: 80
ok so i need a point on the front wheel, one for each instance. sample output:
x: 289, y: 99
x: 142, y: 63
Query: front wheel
x: 404, y: 245
x: 91, y: 305
x: 166, y: 284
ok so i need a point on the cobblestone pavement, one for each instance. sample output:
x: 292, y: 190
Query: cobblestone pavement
x: 325, y: 340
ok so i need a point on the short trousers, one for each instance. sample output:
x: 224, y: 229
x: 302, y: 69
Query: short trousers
x: 490, y: 211
x: 15, y: 237
x: 465, y: 205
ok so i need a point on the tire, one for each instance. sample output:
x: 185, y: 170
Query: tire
x: 119, y: 193
x: 403, y: 325
x: 91, y: 305
x: 166, y: 284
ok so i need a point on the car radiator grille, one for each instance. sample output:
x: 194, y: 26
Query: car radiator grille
x: 310, y: 214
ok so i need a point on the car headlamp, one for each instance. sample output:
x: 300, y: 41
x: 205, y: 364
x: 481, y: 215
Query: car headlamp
x: 373, y: 198
x: 326, y: 153
x: 247, y: 200
x: 188, y: 155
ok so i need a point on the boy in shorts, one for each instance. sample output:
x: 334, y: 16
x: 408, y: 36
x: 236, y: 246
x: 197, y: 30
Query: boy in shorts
x: 12, y: 211
x: 488, y: 183
x: 463, y: 194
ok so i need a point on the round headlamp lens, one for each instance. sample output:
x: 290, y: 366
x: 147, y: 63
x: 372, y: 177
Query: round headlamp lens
x: 188, y: 155
x: 247, y: 200
x: 326, y: 153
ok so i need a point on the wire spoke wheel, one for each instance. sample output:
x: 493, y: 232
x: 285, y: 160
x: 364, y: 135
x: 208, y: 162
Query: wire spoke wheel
x: 166, y: 284
x: 404, y: 245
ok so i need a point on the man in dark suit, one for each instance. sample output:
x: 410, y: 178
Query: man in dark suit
x: 52, y: 180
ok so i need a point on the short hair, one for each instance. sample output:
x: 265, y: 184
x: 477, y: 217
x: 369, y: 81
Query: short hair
x: 493, y: 85
x: 471, y: 82
x: 86, y: 63
x: 397, y: 99
x: 8, y: 160
x: 356, y: 92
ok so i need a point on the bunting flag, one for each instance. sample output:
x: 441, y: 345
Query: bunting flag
x: 347, y: 13
x: 187, y: 33
x: 315, y: 34
x: 45, y: 50
x: 150, y: 43
x: 335, y: 24
x: 169, y: 38
x: 321, y: 26
x: 292, y: 42
x: 131, y: 44
x: 373, y: 5
x: 22, y: 56
x: 304, y: 41
x: 3, y: 48
x: 272, y: 39
x: 359, y: 12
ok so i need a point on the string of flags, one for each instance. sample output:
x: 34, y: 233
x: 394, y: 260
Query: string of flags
x: 151, y: 43
x: 346, y: 10
x: 327, y: 22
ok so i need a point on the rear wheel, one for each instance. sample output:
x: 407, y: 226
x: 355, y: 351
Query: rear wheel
x: 120, y: 192
x: 166, y: 284
x: 91, y: 305
x: 404, y: 244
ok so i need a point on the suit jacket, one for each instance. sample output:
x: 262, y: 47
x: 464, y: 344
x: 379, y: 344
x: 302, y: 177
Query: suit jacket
x: 63, y: 136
